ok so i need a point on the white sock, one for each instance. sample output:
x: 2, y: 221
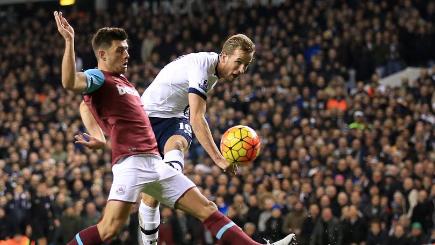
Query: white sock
x: 149, y: 221
x: 175, y: 158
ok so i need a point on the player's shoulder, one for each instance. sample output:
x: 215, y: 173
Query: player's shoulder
x: 203, y: 60
x: 94, y: 71
x: 205, y: 56
x: 95, y: 78
x: 196, y: 57
x: 100, y: 74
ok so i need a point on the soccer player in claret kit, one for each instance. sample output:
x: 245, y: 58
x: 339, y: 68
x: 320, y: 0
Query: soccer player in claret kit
x: 118, y: 111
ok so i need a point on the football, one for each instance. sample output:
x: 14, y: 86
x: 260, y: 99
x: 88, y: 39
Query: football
x: 240, y: 145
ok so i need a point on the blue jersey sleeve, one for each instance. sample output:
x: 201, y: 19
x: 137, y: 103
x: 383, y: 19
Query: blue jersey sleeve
x: 94, y: 80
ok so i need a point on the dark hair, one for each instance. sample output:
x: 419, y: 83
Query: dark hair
x: 104, y: 37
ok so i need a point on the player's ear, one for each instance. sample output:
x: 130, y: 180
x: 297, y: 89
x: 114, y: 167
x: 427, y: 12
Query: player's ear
x: 223, y: 57
x: 102, y: 54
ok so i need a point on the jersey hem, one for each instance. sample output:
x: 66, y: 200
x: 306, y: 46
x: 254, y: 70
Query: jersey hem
x: 124, y: 156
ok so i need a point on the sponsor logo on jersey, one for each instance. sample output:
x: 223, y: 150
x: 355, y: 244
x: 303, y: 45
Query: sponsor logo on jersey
x: 186, y: 111
x: 127, y: 90
x: 117, y: 79
x: 204, y: 85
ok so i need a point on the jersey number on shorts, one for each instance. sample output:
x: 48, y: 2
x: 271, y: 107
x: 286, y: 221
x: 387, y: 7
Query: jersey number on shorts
x: 186, y: 127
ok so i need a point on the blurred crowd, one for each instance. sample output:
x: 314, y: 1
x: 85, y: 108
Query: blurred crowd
x: 344, y: 160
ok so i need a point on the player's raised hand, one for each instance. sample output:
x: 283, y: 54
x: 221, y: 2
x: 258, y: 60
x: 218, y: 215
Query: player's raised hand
x: 89, y: 141
x: 222, y: 163
x: 64, y: 28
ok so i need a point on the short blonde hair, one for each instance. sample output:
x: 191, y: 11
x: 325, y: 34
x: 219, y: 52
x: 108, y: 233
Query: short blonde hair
x: 238, y: 41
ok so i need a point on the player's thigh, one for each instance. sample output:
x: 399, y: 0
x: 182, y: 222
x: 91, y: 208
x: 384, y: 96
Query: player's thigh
x: 129, y: 177
x: 165, y: 128
x: 114, y: 218
x: 196, y: 204
x: 171, y: 185
x: 177, y: 142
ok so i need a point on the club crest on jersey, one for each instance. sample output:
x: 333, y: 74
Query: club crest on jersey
x: 127, y: 90
x: 120, y: 189
x: 204, y: 85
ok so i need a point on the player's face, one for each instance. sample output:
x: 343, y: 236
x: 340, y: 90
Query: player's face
x: 235, y: 64
x: 116, y: 57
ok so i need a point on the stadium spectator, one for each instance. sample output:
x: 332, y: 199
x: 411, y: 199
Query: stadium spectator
x: 354, y: 227
x: 70, y: 221
x: 274, y: 225
x: 417, y: 236
x: 309, y: 224
x: 294, y: 220
x: 398, y: 237
x: 376, y: 236
x: 327, y: 230
x: 420, y: 211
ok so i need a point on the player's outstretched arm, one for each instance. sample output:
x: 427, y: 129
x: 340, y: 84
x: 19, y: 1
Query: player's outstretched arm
x: 202, y: 130
x: 71, y: 80
x: 96, y: 139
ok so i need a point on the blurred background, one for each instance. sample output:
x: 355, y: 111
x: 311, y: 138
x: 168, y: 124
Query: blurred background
x: 340, y: 92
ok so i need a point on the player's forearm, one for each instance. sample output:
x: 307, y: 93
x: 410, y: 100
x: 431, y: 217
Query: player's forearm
x: 95, y: 131
x: 203, y: 134
x: 68, y: 66
x: 90, y: 123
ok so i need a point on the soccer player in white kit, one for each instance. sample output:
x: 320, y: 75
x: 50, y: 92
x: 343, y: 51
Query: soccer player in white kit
x: 176, y: 104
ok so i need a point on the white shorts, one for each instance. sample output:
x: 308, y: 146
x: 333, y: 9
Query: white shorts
x: 148, y: 174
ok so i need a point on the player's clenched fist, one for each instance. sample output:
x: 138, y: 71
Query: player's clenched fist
x: 89, y: 141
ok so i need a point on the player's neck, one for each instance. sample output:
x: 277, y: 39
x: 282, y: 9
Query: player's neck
x: 103, y: 67
x: 217, y: 68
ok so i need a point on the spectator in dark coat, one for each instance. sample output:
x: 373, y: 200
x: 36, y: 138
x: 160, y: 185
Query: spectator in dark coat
x: 422, y: 212
x: 274, y: 225
x: 251, y: 230
x: 376, y: 236
x: 398, y: 237
x: 294, y: 220
x: 253, y: 211
x: 309, y: 224
x: 6, y: 225
x: 354, y: 227
x: 417, y: 235
x: 70, y: 224
x: 42, y: 214
x: 327, y: 230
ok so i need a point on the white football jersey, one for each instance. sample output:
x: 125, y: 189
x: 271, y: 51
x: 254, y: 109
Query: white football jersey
x: 167, y: 96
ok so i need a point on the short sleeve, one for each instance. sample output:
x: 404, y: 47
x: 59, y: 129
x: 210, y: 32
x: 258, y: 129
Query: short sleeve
x: 198, y: 83
x: 94, y: 80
